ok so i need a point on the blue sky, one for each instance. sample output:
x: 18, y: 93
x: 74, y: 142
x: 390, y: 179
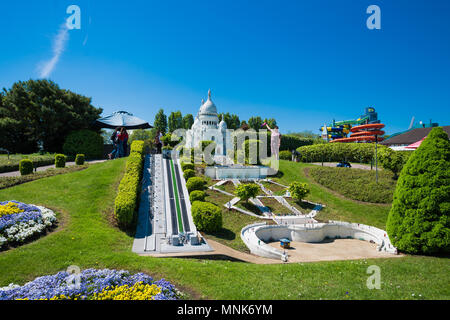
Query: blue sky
x: 301, y: 62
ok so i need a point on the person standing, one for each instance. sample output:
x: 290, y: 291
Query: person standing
x: 275, y: 141
x: 123, y: 138
x: 115, y: 142
x: 158, y: 142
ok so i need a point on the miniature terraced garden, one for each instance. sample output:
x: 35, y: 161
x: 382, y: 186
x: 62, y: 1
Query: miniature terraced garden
x: 86, y: 237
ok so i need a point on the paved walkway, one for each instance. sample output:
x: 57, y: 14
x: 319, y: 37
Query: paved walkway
x: 43, y: 168
x: 330, y: 250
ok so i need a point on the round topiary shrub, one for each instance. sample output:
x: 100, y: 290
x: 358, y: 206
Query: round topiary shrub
x: 188, y: 173
x: 60, y: 160
x: 418, y: 221
x: 79, y: 159
x: 87, y: 142
x: 25, y: 166
x: 285, y: 155
x: 195, y: 183
x: 187, y: 166
x: 207, y: 216
x: 197, y: 195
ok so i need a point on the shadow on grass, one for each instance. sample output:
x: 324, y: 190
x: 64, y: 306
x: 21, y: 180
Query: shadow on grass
x: 249, y: 206
x: 224, y: 233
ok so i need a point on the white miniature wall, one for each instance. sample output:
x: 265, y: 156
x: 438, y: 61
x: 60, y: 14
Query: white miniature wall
x: 255, y: 236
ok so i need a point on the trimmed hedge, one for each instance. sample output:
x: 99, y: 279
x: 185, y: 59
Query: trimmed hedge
x: 418, y: 221
x: 197, y: 195
x: 285, y: 155
x: 25, y: 167
x: 137, y: 146
x: 187, y: 166
x: 79, y: 159
x: 188, y: 173
x: 207, y: 216
x: 336, y: 152
x: 87, y: 142
x: 126, y: 202
x: 13, y: 164
x: 60, y: 160
x: 195, y: 183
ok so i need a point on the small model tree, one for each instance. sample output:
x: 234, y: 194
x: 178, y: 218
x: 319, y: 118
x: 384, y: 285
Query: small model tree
x: 246, y: 191
x: 419, y: 218
x: 298, y: 190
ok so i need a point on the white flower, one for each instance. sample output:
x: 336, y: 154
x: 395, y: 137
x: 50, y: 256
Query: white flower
x: 21, y: 231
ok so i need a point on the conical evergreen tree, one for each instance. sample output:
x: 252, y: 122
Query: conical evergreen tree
x: 419, y: 218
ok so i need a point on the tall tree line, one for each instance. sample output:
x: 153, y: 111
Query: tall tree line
x: 177, y: 121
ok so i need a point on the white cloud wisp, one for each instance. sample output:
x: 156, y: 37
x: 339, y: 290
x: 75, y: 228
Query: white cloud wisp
x: 59, y: 44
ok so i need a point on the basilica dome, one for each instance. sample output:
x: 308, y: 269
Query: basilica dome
x: 208, y: 108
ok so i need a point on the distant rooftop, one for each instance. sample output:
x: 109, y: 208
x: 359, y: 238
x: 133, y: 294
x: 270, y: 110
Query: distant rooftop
x: 411, y: 136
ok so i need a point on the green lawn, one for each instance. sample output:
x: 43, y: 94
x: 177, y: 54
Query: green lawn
x: 357, y: 184
x: 6, y: 182
x: 84, y: 201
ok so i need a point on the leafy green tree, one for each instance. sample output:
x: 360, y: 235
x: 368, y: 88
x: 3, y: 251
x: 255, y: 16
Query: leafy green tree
x: 235, y: 123
x: 271, y: 122
x: 188, y: 121
x: 146, y: 135
x: 246, y: 191
x: 418, y: 221
x: 393, y: 160
x: 255, y: 123
x: 244, y: 126
x: 39, y: 113
x: 160, y: 122
x: 298, y: 190
x: 175, y: 121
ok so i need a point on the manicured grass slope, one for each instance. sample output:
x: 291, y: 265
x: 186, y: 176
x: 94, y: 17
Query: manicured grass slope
x: 337, y: 208
x: 88, y: 240
x: 357, y: 184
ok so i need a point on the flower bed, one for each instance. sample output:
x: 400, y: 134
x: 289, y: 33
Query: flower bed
x: 20, y: 222
x: 93, y: 284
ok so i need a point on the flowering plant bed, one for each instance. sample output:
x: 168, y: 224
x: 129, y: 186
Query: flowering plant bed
x: 20, y: 222
x: 93, y: 284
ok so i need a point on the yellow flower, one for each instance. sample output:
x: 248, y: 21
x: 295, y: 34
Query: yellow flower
x: 9, y: 208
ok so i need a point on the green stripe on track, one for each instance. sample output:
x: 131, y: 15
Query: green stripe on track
x: 177, y: 200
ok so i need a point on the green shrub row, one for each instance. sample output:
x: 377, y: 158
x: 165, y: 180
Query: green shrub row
x: 13, y: 164
x: 86, y: 142
x: 126, y: 202
x: 285, y: 155
x: 336, y: 152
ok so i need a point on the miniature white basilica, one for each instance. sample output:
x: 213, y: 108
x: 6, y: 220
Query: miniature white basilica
x: 207, y: 127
